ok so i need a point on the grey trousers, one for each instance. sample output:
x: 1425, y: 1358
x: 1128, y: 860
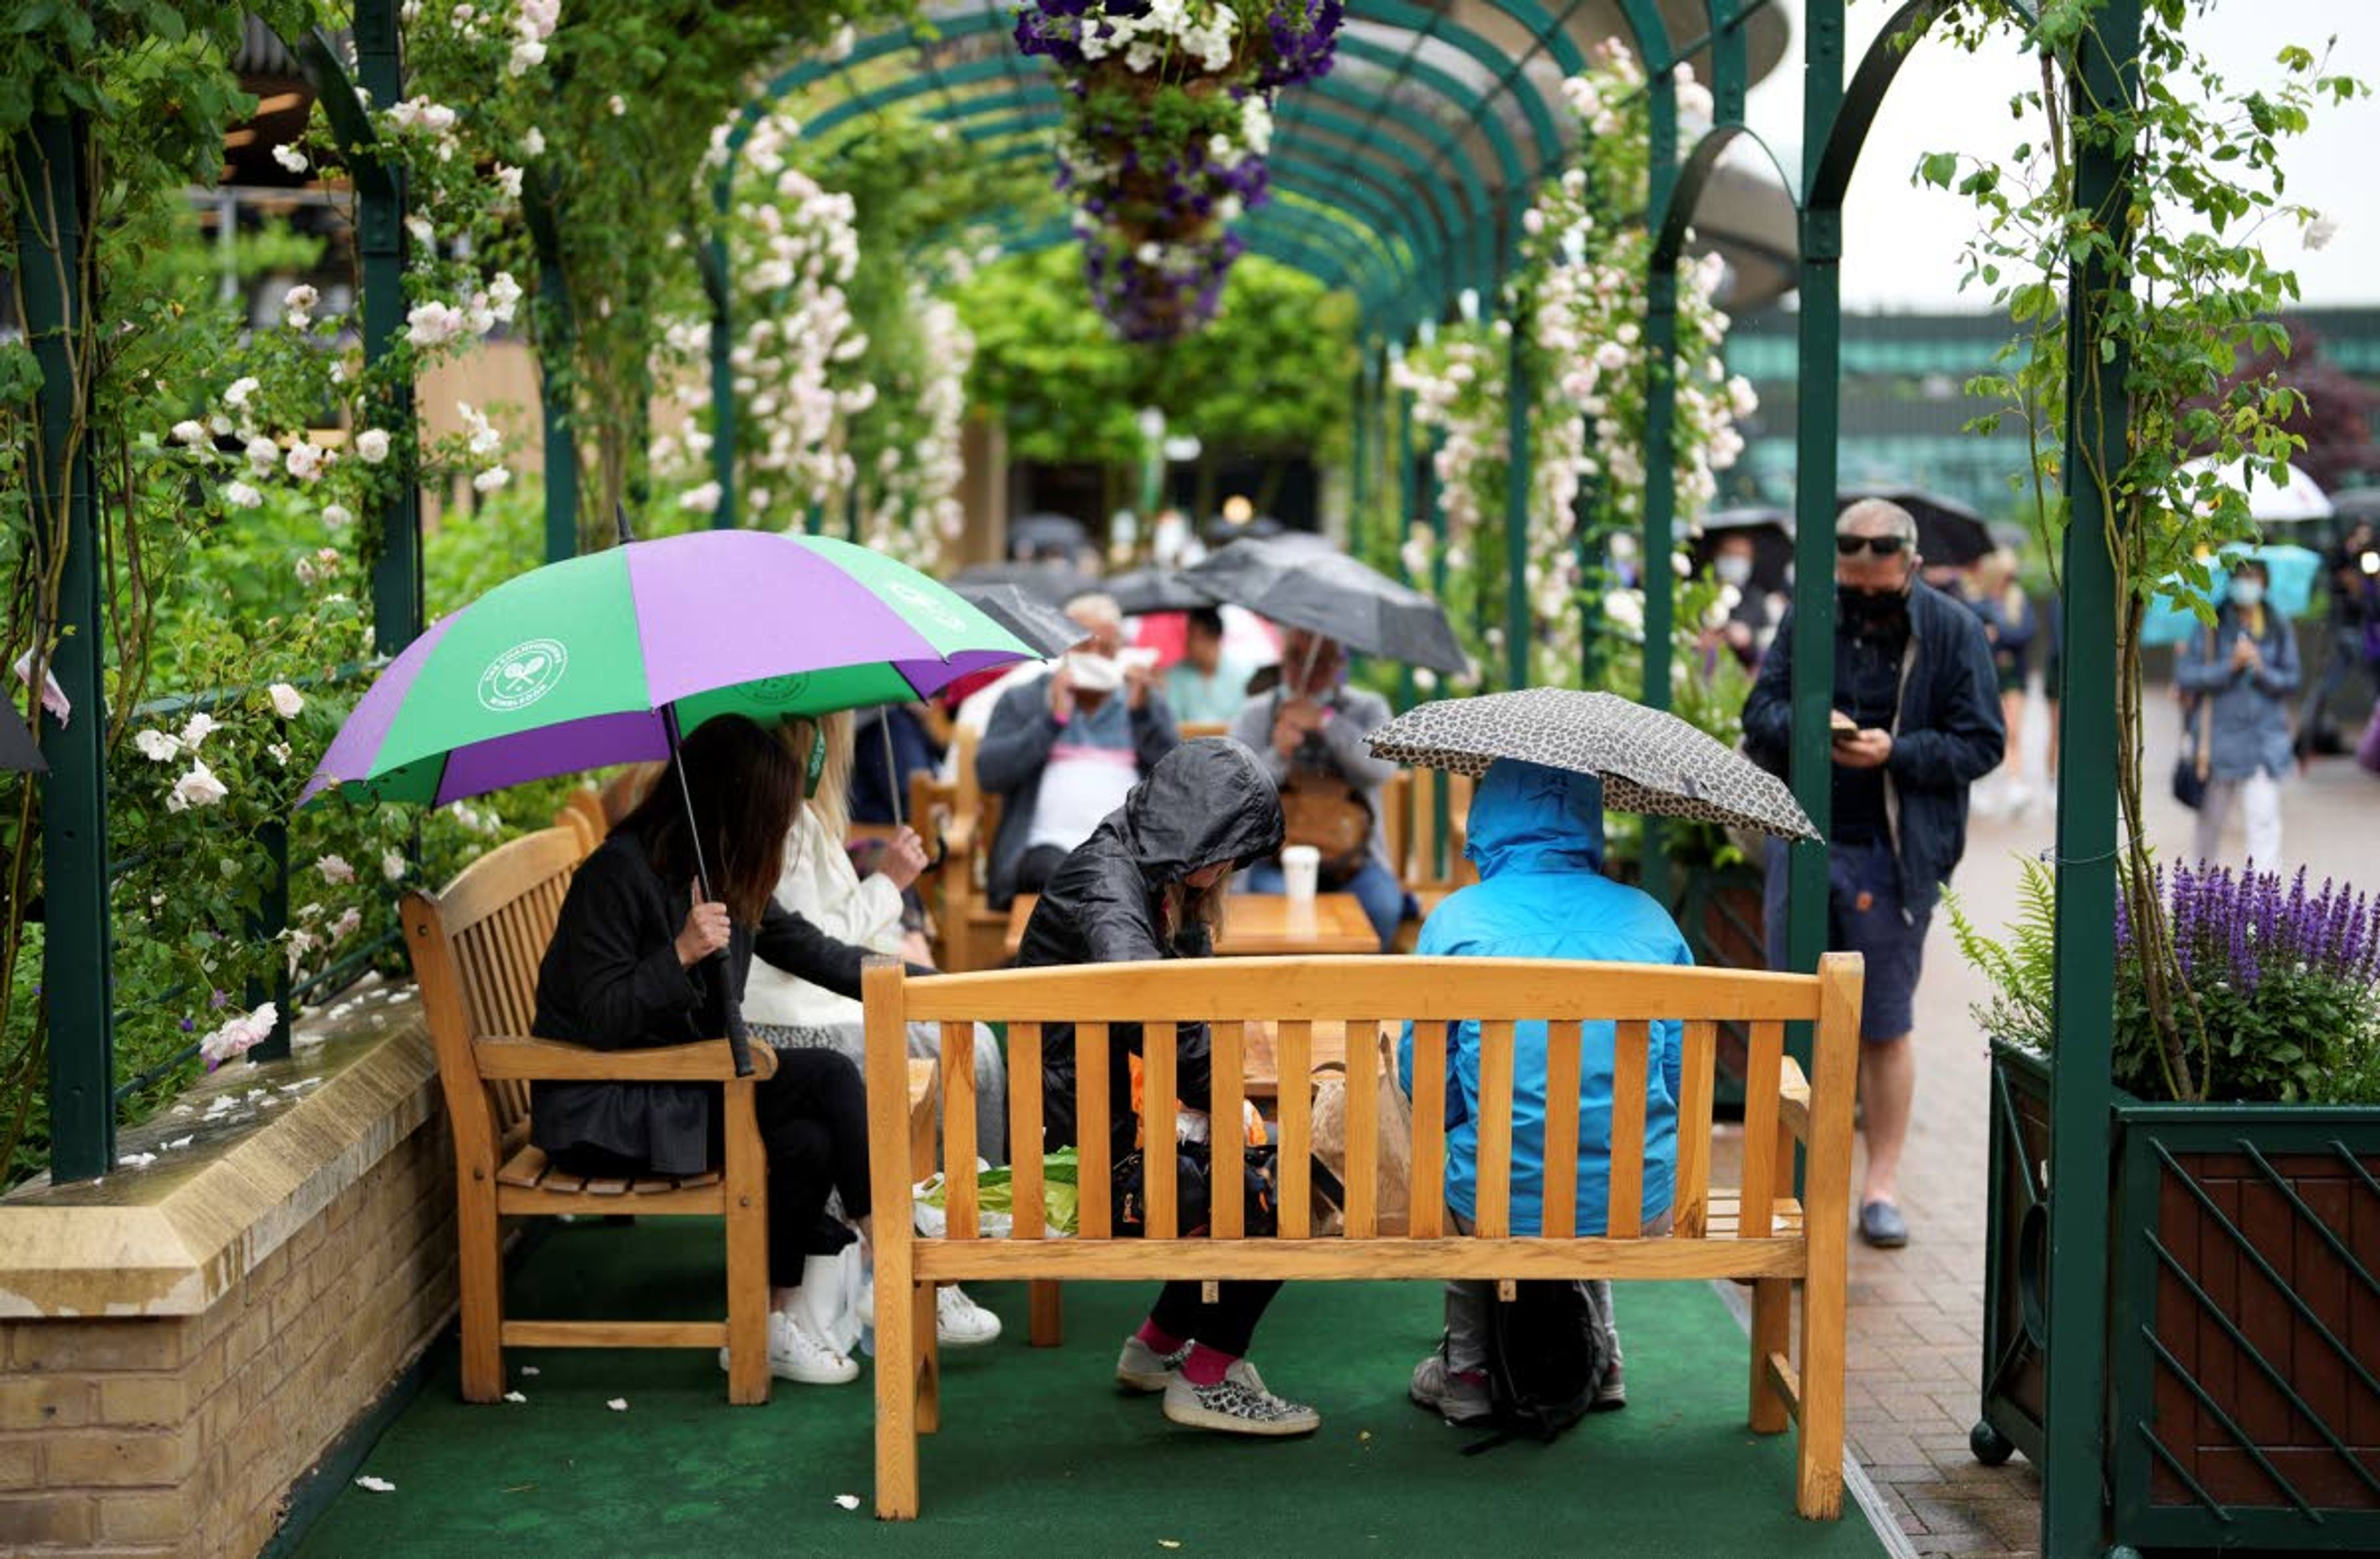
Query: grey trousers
x: 1467, y: 1302
x: 926, y: 1043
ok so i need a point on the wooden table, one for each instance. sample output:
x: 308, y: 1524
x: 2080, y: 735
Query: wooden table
x: 1257, y: 925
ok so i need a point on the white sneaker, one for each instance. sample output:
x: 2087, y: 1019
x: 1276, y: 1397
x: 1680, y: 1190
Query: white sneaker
x: 796, y: 1354
x: 960, y: 1322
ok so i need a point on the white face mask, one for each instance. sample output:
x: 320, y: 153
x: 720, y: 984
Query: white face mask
x: 2246, y: 593
x: 1733, y: 569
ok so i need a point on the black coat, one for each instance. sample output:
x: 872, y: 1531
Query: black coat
x: 1206, y: 801
x: 1950, y: 735
x: 611, y: 980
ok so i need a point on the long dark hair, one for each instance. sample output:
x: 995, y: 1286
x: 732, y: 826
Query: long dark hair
x: 746, y: 788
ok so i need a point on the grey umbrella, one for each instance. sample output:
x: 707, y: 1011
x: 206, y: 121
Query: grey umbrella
x: 1045, y: 631
x: 1140, y: 591
x: 1947, y: 530
x: 20, y: 753
x: 1300, y: 585
x: 1055, y: 583
x: 1649, y: 762
x: 1039, y: 535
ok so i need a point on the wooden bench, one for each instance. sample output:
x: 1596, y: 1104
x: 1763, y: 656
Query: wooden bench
x: 1756, y: 1232
x: 476, y: 949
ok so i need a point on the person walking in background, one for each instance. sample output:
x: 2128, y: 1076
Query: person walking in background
x: 1309, y: 731
x: 1062, y: 750
x: 2010, y: 626
x: 1152, y: 882
x: 1536, y: 836
x: 1917, y: 722
x: 1206, y: 685
x: 2235, y: 679
x: 2354, y: 567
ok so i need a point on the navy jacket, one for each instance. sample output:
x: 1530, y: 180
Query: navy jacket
x: 1950, y: 735
x: 1017, y: 749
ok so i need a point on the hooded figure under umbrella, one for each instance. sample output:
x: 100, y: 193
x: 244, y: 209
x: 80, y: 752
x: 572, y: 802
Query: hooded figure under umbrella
x: 1151, y: 883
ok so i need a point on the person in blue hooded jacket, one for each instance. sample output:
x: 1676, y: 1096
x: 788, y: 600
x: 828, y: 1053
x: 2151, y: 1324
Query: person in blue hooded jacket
x: 1536, y: 836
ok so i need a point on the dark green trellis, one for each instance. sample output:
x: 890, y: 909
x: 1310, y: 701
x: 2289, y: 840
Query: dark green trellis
x: 1401, y: 177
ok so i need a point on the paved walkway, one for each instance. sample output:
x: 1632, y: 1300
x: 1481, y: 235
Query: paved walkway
x: 1916, y: 1314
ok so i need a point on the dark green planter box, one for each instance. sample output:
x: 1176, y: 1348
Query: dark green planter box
x: 2243, y: 1338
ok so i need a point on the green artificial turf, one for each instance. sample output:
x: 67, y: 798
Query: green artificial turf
x: 1039, y: 1454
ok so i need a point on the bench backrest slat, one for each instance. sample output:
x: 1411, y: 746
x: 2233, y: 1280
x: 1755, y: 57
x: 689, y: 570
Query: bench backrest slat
x: 1695, y: 1085
x: 1632, y: 1043
x: 1361, y: 1214
x: 1295, y: 1049
x: 1426, y: 1193
x: 1762, y: 1071
x: 1493, y: 1211
x: 1157, y: 1045
x: 1025, y: 1130
x: 1091, y: 1149
x: 958, y: 1127
x: 1564, y: 1051
x: 1227, y: 1049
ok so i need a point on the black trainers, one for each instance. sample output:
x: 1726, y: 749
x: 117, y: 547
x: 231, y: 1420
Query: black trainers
x: 1238, y: 1404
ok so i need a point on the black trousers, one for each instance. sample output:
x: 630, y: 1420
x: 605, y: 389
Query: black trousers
x: 1227, y: 1325
x: 813, y: 1116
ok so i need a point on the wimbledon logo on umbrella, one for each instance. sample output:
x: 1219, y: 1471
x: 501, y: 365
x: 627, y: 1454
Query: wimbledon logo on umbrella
x: 523, y: 675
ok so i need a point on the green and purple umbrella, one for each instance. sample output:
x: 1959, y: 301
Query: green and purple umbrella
x: 590, y: 661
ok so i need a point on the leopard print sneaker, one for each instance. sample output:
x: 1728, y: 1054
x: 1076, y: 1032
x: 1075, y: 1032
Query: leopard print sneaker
x: 1238, y: 1404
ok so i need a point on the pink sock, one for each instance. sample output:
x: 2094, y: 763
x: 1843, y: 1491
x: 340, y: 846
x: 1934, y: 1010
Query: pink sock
x: 1205, y: 1366
x: 1159, y: 1340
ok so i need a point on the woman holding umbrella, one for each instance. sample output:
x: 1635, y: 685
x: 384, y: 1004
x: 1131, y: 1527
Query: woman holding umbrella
x: 2237, y: 677
x: 632, y: 967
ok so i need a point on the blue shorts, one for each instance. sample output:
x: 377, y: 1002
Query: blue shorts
x: 1864, y: 915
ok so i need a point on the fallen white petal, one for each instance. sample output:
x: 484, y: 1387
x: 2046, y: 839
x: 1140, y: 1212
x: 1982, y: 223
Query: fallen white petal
x: 848, y: 1502
x: 136, y: 1161
x: 618, y: 1404
x: 181, y: 1143
x: 528, y: 1369
x: 377, y: 1485
x: 515, y: 1396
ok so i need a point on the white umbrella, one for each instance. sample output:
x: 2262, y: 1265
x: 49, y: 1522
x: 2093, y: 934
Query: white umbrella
x: 2298, y: 498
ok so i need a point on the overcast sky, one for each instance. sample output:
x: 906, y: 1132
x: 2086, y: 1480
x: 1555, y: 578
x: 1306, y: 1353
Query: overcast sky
x: 1901, y: 244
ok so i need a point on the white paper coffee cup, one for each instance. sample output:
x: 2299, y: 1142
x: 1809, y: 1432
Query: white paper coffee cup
x: 1301, y: 870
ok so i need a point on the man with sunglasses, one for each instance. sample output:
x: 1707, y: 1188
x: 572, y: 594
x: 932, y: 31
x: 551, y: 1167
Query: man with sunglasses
x: 1916, y: 721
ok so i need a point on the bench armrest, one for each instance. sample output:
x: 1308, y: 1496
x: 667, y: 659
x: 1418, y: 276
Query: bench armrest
x: 509, y: 1056
x: 1793, y: 1099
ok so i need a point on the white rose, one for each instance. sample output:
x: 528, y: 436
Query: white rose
x: 305, y: 461
x: 526, y: 55
x: 289, y: 157
x: 197, y: 789
x: 371, y: 445
x: 533, y: 142
x: 240, y: 496
x: 334, y: 869
x: 703, y: 499
x: 264, y: 454
x: 508, y: 179
x: 287, y: 702
x: 392, y: 866
x: 190, y: 431
x: 2320, y: 231
x: 338, y: 516
x: 618, y: 105
x: 239, y: 391
x: 491, y: 478
x: 158, y: 747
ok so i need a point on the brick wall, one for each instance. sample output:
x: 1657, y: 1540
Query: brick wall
x: 182, y: 1436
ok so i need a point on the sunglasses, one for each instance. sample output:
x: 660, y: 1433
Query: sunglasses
x: 1882, y: 547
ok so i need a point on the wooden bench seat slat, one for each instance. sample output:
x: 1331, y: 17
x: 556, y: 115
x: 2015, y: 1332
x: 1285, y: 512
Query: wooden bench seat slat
x: 958, y: 1128
x: 955, y: 1260
x: 1760, y: 1104
x: 1028, y: 1218
x: 1295, y: 1047
x: 606, y: 1187
x: 614, y: 1333
x: 525, y: 1169
x: 1159, y: 1181
x: 1492, y: 1211
x: 1093, y: 1216
x: 1630, y: 1065
x: 1564, y: 1056
x: 663, y: 1201
x: 1696, y: 1080
x: 1428, y: 1188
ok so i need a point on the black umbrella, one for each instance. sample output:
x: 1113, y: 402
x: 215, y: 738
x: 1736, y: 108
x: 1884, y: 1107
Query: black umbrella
x: 1045, y: 631
x: 1771, y: 531
x: 1948, y: 531
x: 20, y: 753
x: 1300, y: 585
x: 1054, y: 583
x: 1649, y: 760
x: 1039, y: 534
x: 1140, y: 591
x: 1258, y: 528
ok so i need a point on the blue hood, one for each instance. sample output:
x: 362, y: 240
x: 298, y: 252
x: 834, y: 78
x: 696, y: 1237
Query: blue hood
x: 1528, y: 818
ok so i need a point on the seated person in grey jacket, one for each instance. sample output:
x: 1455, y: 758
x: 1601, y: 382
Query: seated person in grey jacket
x: 1308, y: 731
x: 1062, y: 752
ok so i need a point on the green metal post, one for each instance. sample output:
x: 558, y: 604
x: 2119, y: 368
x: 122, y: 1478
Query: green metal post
x: 76, y: 971
x: 1519, y: 626
x: 270, y: 916
x: 1660, y: 455
x: 380, y: 234
x: 1439, y: 807
x: 556, y: 337
x: 722, y: 385
x: 2074, y: 1437
x: 1359, y: 483
x: 1407, y: 490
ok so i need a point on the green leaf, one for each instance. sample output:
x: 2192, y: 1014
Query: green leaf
x: 1938, y: 168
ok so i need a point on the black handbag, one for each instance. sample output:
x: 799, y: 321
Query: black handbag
x: 2189, y: 767
x: 1192, y: 1192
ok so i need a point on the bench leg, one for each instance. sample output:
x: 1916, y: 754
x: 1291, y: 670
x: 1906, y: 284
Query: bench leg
x: 896, y: 1386
x: 1772, y: 1318
x: 1048, y: 1323
x: 1819, y: 1484
x: 929, y: 1360
x: 481, y: 1259
x: 747, y: 1252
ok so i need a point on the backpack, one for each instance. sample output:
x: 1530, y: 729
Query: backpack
x: 1546, y: 1358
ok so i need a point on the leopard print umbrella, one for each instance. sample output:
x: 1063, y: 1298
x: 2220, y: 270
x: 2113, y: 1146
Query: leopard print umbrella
x: 1649, y: 762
